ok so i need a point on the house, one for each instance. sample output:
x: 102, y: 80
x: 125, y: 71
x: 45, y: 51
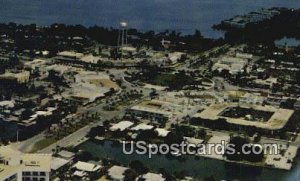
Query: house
x: 151, y: 177
x: 87, y: 167
x: 142, y: 127
x: 162, y: 132
x: 116, y: 173
x: 66, y: 154
x: 121, y: 126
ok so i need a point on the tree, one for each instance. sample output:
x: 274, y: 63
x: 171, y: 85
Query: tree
x: 166, y: 174
x: 173, y: 138
x: 97, y: 131
x: 147, y: 135
x: 180, y: 174
x: 202, y: 133
x: 114, y: 54
x: 130, y: 175
x: 84, y: 156
x: 138, y: 167
x: 211, y: 178
x: 257, y: 138
x: 239, y: 155
x: 298, y: 77
x: 152, y: 94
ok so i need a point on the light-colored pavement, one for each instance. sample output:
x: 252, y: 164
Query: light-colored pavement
x: 27, y: 145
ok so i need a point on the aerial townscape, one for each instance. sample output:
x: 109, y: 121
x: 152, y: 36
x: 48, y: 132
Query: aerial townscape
x: 72, y: 95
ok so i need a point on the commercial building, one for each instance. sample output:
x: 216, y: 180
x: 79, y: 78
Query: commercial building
x: 267, y: 118
x: 266, y: 84
x: 153, y: 110
x: 16, y: 166
x: 89, y: 86
x: 69, y: 55
x: 233, y: 65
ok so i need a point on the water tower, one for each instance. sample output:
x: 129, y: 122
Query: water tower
x: 122, y: 37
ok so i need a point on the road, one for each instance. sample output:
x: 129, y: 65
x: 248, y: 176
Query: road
x: 70, y: 140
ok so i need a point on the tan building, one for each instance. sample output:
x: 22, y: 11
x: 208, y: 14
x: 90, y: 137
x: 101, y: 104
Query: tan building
x: 16, y: 166
x: 275, y: 118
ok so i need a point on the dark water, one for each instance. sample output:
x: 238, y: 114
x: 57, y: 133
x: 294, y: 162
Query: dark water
x: 198, y: 168
x: 288, y: 42
x: 180, y: 15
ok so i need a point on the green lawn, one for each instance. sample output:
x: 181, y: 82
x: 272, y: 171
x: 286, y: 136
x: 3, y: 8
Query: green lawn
x: 42, y: 144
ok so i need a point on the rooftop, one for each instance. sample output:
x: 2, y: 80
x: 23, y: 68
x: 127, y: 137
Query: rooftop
x: 117, y: 172
x: 232, y: 64
x: 282, y: 162
x: 123, y: 125
x: 155, y: 106
x: 142, y: 126
x: 17, y: 161
x: 87, y: 167
x: 277, y: 121
x: 70, y: 54
x: 66, y: 154
x: 162, y: 132
x: 152, y: 177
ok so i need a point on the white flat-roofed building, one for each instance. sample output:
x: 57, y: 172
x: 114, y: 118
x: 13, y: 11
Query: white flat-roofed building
x: 153, y: 110
x: 121, y: 126
x: 232, y: 64
x: 244, y: 55
x: 277, y: 120
x: 87, y: 92
x: 86, y: 167
x: 116, y: 173
x: 162, y: 132
x: 90, y: 59
x: 57, y: 163
x: 142, y: 127
x: 7, y: 104
x: 151, y: 177
x: 66, y: 154
x: 89, y: 86
x: 192, y: 140
x: 267, y: 83
x: 70, y: 55
x: 160, y: 110
x: 249, y: 98
x: 17, y: 166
